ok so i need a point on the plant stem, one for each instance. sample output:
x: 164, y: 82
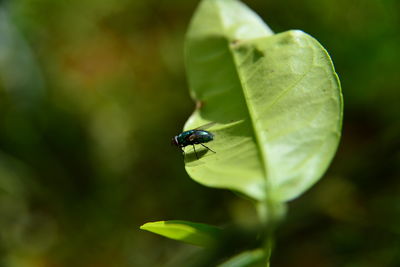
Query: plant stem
x: 268, y: 249
x: 270, y: 213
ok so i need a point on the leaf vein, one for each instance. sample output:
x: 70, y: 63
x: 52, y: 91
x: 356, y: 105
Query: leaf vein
x: 291, y: 87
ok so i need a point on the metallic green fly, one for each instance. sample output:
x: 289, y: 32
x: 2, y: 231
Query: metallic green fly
x: 193, y: 137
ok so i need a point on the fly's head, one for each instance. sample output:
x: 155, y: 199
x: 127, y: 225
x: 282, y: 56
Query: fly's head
x: 174, y: 141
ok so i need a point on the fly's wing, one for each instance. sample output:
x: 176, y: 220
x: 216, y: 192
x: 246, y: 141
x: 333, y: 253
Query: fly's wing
x: 205, y: 126
x: 211, y: 124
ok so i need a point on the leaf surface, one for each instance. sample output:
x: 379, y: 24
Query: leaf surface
x: 275, y: 100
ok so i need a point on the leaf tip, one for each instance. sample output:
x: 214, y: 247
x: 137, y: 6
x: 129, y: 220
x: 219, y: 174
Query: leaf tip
x: 148, y: 225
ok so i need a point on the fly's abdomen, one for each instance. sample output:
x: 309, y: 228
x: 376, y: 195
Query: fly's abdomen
x: 201, y: 136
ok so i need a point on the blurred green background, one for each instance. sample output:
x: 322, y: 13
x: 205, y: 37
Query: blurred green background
x: 91, y: 93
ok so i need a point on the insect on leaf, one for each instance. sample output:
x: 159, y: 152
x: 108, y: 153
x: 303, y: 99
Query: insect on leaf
x: 280, y: 89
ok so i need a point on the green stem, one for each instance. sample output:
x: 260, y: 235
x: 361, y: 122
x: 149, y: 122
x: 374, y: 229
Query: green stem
x: 270, y: 213
x: 268, y: 249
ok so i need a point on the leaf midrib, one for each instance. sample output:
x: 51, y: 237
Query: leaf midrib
x: 261, y: 151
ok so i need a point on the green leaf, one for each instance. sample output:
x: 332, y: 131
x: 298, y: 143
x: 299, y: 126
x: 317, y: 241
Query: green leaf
x: 246, y: 259
x: 275, y: 99
x: 193, y: 233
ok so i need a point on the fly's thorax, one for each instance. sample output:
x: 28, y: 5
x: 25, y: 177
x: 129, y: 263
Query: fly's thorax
x: 183, y: 138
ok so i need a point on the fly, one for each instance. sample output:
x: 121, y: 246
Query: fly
x: 193, y: 137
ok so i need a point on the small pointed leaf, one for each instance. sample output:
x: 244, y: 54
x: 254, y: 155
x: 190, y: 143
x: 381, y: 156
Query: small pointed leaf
x: 189, y: 232
x: 254, y: 258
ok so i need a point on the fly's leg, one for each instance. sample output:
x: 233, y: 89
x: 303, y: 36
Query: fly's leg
x: 195, y: 151
x: 208, y: 148
x: 183, y: 152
